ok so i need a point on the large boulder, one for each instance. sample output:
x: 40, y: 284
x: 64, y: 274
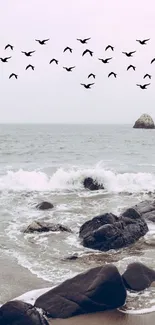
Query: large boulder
x: 107, y: 231
x: 146, y: 209
x: 98, y: 289
x: 138, y: 277
x: 144, y: 122
x: 41, y: 226
x: 92, y: 185
x: 21, y: 313
x: 44, y: 206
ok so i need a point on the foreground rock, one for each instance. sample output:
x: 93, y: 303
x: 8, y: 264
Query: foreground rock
x: 138, y: 277
x: 44, y: 206
x: 107, y: 231
x: 146, y: 209
x: 144, y: 122
x: 92, y: 185
x: 92, y: 291
x: 41, y: 226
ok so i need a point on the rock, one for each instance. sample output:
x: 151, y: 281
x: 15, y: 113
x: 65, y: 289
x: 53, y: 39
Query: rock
x: 107, y: 231
x: 71, y: 257
x: 144, y: 122
x: 41, y: 226
x: 45, y: 206
x: 146, y: 209
x: 92, y: 185
x: 20, y: 313
x: 91, y: 291
x: 138, y: 277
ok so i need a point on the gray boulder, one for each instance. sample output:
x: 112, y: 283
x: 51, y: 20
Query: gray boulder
x: 138, y: 277
x: 144, y: 122
x: 92, y: 185
x: 41, y: 226
x: 44, y: 206
x: 146, y: 209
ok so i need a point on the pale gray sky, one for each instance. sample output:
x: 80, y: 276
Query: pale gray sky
x: 50, y: 94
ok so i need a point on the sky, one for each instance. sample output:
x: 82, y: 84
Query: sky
x: 52, y: 95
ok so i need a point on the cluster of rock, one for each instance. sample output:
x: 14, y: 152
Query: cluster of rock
x: 97, y: 290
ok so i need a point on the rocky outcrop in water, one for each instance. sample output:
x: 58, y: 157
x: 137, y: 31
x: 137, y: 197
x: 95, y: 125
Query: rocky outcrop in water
x: 44, y: 206
x: 41, y: 226
x: 92, y: 185
x: 146, y: 209
x: 107, y: 231
x: 144, y: 122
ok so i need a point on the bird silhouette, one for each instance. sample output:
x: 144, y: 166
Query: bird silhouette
x: 54, y: 60
x: 131, y: 66
x: 9, y: 45
x: 112, y: 74
x: 105, y: 60
x: 83, y: 41
x: 13, y: 75
x: 147, y: 75
x: 30, y: 66
x: 143, y: 42
x: 4, y: 60
x: 143, y: 86
x: 28, y: 53
x: 68, y: 69
x: 87, y: 51
x: 88, y: 86
x: 69, y: 49
x: 152, y: 60
x: 43, y: 42
x: 109, y: 47
x: 129, y: 54
x: 92, y: 75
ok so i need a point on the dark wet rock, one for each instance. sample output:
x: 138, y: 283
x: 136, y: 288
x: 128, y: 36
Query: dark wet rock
x: 146, y: 209
x: 92, y: 185
x: 138, y: 277
x: 20, y: 313
x: 144, y: 122
x: 98, y: 289
x: 41, y: 226
x: 107, y: 231
x: 45, y: 206
x: 71, y: 257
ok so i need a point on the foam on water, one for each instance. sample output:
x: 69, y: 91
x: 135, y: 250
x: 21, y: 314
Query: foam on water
x: 72, y: 178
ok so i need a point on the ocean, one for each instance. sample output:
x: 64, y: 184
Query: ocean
x: 49, y: 162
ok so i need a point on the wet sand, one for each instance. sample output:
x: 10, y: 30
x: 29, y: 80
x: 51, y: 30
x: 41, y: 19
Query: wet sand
x: 16, y: 280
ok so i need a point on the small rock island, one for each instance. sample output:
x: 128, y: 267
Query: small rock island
x: 144, y: 122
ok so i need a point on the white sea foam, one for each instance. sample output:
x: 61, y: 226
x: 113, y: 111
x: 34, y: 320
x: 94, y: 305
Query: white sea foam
x: 71, y: 179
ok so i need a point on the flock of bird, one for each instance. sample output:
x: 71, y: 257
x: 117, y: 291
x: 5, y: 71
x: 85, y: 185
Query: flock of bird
x: 86, y: 51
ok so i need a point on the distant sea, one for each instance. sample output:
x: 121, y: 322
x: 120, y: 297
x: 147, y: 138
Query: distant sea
x: 50, y: 162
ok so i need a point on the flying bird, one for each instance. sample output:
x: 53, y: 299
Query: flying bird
x: 109, y: 47
x: 68, y: 69
x: 147, y: 75
x: 9, y: 45
x: 5, y: 59
x: 152, y: 60
x: 28, y: 53
x: 129, y: 54
x: 30, y: 66
x: 143, y: 42
x: 54, y: 60
x: 92, y: 75
x: 112, y: 74
x: 13, y: 75
x: 143, y: 86
x: 131, y: 66
x: 69, y: 49
x: 105, y: 60
x: 43, y: 42
x: 88, y: 86
x: 83, y: 41
x: 87, y: 51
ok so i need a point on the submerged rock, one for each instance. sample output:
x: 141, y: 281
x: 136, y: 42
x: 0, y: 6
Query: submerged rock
x: 138, y: 277
x: 98, y: 289
x: 144, y: 122
x: 45, y: 206
x: 41, y: 226
x: 107, y: 231
x: 92, y: 185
